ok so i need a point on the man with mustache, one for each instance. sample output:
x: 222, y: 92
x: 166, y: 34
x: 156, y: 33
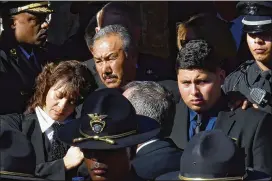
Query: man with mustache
x: 107, y: 132
x: 205, y: 107
x: 113, y: 53
x: 147, y: 67
x: 21, y: 57
x: 255, y: 73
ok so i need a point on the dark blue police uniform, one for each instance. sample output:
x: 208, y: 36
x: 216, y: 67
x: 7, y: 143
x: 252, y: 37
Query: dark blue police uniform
x: 247, y: 77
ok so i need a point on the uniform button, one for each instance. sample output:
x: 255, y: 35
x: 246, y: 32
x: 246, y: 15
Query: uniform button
x: 149, y: 72
x: 23, y: 93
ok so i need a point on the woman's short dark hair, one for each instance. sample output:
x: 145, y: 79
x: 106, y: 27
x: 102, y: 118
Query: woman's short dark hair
x: 79, y: 80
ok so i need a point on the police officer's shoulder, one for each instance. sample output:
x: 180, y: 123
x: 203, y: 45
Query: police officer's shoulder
x: 233, y: 77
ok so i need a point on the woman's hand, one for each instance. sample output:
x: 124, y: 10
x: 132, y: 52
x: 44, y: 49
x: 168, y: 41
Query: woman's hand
x: 73, y: 158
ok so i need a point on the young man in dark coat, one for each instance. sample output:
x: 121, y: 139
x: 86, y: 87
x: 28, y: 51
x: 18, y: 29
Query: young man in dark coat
x: 204, y: 107
x: 21, y: 57
x: 152, y: 100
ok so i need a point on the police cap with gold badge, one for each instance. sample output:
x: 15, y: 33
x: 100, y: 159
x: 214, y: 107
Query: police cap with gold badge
x: 16, y: 7
x: 108, y: 121
x: 257, y: 16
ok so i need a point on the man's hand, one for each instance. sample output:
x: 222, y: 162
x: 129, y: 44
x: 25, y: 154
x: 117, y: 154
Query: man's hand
x: 236, y: 99
x: 246, y: 104
x: 73, y: 158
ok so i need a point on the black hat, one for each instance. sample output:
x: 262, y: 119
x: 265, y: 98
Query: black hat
x: 258, y: 15
x: 18, y: 161
x: 210, y: 155
x: 16, y: 7
x: 108, y: 121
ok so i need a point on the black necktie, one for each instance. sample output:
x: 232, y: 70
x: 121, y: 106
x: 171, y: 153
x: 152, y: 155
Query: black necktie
x: 34, y: 63
x: 198, y: 123
x: 58, y: 148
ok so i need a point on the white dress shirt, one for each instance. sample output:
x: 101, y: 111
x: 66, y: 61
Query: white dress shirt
x: 45, y: 123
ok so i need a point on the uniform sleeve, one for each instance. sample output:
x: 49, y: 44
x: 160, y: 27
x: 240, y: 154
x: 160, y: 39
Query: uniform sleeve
x: 13, y: 120
x: 51, y: 170
x: 262, y: 146
x: 230, y: 81
x: 3, y: 62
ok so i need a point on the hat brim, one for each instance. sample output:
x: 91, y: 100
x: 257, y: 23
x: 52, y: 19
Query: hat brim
x: 14, y: 177
x: 257, y: 28
x: 169, y: 176
x: 70, y: 131
x: 256, y: 24
x: 40, y: 10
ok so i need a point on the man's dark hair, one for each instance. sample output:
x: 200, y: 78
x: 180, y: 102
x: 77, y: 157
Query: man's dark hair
x: 197, y: 54
x: 152, y: 100
x: 129, y: 17
x: 123, y: 9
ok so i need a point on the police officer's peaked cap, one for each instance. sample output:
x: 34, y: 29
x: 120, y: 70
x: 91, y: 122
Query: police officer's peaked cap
x: 15, y: 7
x: 258, y: 16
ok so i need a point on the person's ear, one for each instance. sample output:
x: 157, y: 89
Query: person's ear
x: 97, y: 29
x: 12, y: 24
x: 222, y: 75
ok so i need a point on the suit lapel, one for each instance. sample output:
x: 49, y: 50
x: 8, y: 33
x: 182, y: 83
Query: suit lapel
x: 225, y: 121
x: 34, y: 131
x: 180, y: 128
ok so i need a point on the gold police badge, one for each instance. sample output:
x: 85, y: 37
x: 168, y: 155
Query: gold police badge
x: 97, y: 124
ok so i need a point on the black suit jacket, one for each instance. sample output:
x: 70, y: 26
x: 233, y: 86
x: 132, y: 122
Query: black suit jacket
x: 250, y: 128
x: 157, y: 158
x: 29, y: 125
x: 17, y: 76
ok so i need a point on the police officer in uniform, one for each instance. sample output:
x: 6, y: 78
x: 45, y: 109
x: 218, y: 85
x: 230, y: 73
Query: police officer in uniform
x: 253, y: 78
x: 21, y: 57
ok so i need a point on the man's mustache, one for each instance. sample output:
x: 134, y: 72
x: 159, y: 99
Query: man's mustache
x: 110, y: 76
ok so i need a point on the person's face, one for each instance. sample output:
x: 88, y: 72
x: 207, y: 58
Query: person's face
x: 59, y: 105
x: 29, y: 28
x: 200, y: 89
x: 113, y: 66
x: 260, y: 46
x: 111, y: 165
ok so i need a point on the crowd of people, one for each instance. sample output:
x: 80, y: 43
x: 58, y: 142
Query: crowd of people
x: 119, y: 114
